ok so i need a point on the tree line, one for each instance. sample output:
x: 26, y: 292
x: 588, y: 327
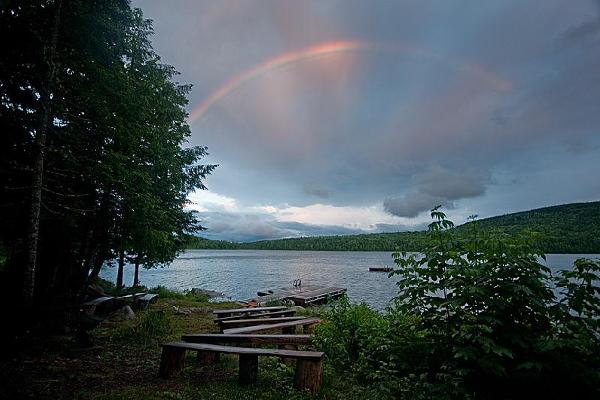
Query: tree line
x: 569, y: 228
x: 92, y: 163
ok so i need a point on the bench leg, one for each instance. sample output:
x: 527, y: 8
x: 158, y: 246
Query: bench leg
x: 248, y: 369
x: 309, y: 375
x: 290, y: 330
x: 208, y: 357
x: 171, y: 361
x: 309, y: 329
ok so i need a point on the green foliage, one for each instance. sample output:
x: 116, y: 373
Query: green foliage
x: 116, y: 174
x: 385, y: 351
x: 476, y: 316
x: 559, y: 230
x: 165, y: 293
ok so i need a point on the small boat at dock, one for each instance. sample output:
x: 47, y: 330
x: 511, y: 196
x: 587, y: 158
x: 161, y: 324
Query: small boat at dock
x: 381, y: 269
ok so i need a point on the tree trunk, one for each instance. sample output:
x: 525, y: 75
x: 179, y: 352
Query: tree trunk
x: 38, y: 169
x: 120, y: 270
x: 136, y: 276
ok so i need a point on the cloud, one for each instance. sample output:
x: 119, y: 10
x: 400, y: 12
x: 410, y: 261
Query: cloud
x: 358, y: 139
x: 589, y: 29
x: 412, y: 204
x: 435, y: 187
x: 317, y: 191
x: 242, y: 227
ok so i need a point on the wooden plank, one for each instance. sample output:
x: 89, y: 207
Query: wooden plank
x: 97, y: 301
x: 267, y: 327
x: 237, y: 323
x: 248, y: 310
x: 284, y: 313
x: 149, y: 297
x: 253, y: 339
x: 299, y: 354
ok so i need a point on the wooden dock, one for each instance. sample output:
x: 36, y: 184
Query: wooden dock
x: 301, y: 295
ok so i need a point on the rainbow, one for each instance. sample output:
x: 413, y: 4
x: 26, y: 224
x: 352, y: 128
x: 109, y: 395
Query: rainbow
x: 333, y: 47
x: 270, y: 64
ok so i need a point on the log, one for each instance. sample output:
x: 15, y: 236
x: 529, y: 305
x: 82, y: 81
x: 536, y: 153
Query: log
x: 309, y: 375
x: 172, y: 361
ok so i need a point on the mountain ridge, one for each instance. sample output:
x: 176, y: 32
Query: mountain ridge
x: 564, y: 228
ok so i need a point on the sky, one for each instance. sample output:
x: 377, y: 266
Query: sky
x: 331, y: 117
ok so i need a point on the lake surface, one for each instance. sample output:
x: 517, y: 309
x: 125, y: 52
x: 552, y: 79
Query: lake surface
x: 240, y: 273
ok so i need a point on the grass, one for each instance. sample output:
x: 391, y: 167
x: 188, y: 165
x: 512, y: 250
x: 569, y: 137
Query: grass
x: 124, y: 364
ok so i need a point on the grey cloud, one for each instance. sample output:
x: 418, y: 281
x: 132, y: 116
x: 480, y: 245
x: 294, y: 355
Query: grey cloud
x: 317, y: 191
x: 437, y: 186
x: 585, y: 30
x: 412, y: 204
x: 451, y: 185
x: 358, y: 128
x: 247, y: 227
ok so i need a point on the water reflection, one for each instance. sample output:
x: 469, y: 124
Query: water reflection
x: 240, y: 273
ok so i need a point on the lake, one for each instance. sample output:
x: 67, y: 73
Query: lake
x: 240, y: 273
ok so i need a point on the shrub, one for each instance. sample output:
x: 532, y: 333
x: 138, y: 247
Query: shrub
x: 475, y: 318
x: 494, y: 322
x: 165, y: 293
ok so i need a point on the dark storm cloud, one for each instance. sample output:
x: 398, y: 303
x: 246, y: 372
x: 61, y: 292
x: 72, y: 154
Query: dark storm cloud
x: 586, y: 30
x: 436, y: 187
x: 451, y: 102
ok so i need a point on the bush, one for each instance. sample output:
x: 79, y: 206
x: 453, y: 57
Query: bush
x: 495, y: 324
x: 165, y: 293
x: 384, y: 350
x: 476, y: 318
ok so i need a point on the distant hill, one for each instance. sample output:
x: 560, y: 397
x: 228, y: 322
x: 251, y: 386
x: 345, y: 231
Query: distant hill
x: 568, y: 228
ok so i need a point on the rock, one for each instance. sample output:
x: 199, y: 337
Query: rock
x: 122, y: 314
x: 181, y: 311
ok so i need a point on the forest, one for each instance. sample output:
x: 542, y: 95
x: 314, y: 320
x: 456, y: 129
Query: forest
x: 568, y: 228
x: 94, y: 164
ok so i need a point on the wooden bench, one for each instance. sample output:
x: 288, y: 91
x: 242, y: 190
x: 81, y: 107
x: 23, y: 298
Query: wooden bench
x: 248, y: 310
x: 309, y: 364
x: 284, y: 313
x: 147, y: 299
x: 101, y: 303
x: 249, y: 338
x: 286, y: 327
x: 238, y: 323
x: 130, y: 298
x: 289, y: 342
